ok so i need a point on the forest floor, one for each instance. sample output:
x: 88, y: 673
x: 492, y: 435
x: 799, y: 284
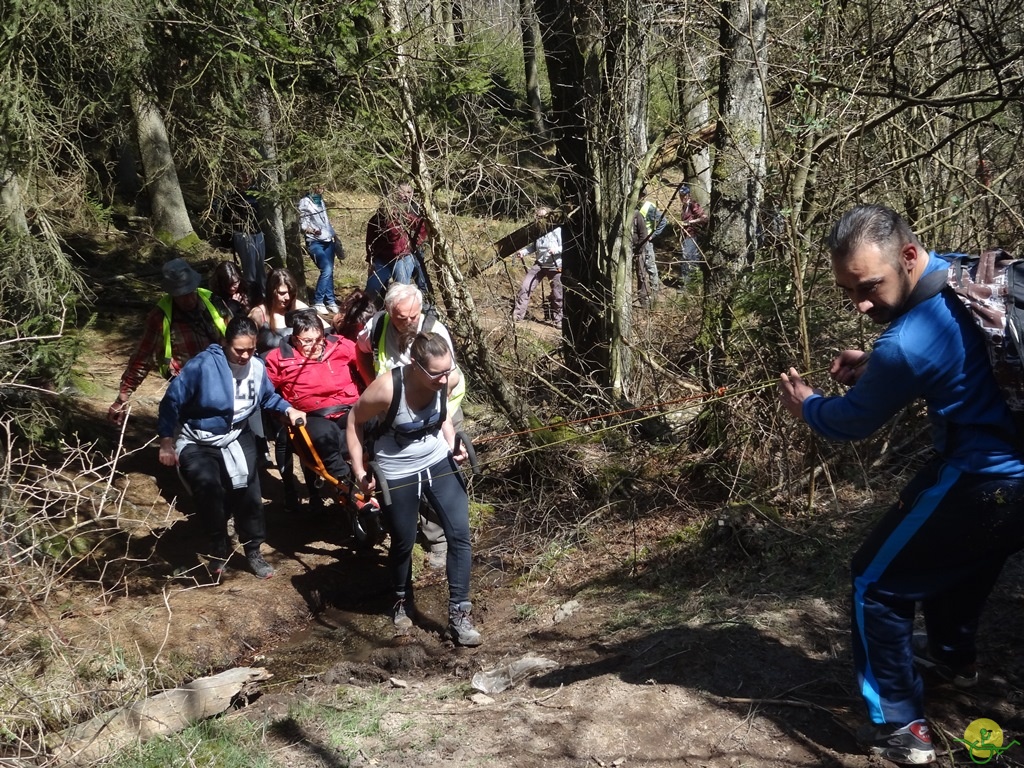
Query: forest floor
x: 675, y: 637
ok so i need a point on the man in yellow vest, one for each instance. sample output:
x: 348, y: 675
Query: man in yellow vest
x: 185, y: 321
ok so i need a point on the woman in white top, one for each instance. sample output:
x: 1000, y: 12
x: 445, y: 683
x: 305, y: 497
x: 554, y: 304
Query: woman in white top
x: 413, y: 442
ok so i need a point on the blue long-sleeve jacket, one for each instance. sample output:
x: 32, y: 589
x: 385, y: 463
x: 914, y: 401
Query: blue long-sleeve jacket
x: 934, y: 352
x: 203, y: 395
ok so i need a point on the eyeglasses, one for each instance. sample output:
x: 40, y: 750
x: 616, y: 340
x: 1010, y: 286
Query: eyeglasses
x: 310, y: 341
x: 435, y: 376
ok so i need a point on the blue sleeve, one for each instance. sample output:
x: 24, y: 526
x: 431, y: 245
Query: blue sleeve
x: 886, y: 386
x: 179, y: 393
x: 269, y: 399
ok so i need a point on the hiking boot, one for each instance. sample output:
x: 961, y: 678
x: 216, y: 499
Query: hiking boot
x: 460, y: 625
x: 909, y: 744
x: 437, y: 558
x: 400, y: 615
x: 258, y: 565
x: 963, y: 677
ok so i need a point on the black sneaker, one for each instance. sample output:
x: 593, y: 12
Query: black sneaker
x: 461, y: 626
x: 217, y: 566
x: 909, y: 744
x: 259, y: 566
x: 963, y: 677
x: 400, y: 615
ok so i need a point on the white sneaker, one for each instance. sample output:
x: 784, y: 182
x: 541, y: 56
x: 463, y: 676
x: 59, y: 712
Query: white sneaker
x: 333, y: 309
x: 320, y: 309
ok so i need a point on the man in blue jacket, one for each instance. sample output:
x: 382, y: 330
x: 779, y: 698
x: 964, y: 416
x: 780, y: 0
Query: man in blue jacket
x: 945, y: 540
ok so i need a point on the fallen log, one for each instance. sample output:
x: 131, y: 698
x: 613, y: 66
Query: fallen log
x: 166, y: 712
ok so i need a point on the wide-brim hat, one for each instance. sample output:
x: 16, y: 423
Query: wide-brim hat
x: 179, y: 279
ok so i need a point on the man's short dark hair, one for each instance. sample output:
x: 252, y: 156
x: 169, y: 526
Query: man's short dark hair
x: 306, y: 320
x: 873, y: 224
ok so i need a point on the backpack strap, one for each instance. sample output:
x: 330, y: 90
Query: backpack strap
x: 930, y: 284
x: 397, y: 386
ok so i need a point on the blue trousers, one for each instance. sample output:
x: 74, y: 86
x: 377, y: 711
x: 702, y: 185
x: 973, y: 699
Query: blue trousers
x: 400, y: 271
x: 442, y: 486
x: 942, y: 544
x: 323, y: 256
x: 690, y: 255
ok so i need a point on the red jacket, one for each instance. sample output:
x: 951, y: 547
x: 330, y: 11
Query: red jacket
x: 312, y: 384
x: 389, y: 236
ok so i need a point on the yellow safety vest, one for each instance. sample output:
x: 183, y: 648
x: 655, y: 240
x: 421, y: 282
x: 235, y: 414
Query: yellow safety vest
x: 166, y: 305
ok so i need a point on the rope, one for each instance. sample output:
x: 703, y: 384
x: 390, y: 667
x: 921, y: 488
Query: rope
x: 720, y: 394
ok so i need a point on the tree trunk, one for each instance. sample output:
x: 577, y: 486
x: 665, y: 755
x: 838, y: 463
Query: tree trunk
x: 12, y: 206
x: 531, y: 43
x: 159, y: 715
x: 171, y: 223
x: 696, y: 113
x: 738, y: 172
x: 596, y: 56
x: 271, y: 215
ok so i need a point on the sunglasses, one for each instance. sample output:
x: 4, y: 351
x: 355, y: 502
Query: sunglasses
x: 435, y: 376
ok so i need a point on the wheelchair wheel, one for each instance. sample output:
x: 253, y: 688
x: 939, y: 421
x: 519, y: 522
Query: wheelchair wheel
x: 367, y: 523
x: 472, y: 464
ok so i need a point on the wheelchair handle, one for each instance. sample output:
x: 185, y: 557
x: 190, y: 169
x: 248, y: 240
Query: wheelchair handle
x: 461, y: 438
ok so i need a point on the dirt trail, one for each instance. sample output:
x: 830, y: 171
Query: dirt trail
x: 730, y: 660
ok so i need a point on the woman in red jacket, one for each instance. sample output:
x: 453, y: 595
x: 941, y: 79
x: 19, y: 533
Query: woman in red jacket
x: 319, y: 371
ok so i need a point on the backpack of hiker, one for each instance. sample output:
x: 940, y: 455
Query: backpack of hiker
x: 991, y: 287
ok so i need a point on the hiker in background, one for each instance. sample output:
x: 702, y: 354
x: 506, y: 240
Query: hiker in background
x: 656, y: 223
x: 420, y: 278
x: 185, y: 321
x: 640, y: 238
x: 415, y: 454
x: 385, y: 343
x: 204, y: 431
x: 944, y: 542
x: 228, y: 284
x: 241, y: 214
x: 394, y: 232
x: 547, y: 265
x: 316, y: 373
x: 692, y: 220
x: 322, y: 247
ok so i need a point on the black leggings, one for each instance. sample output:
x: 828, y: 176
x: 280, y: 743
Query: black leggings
x: 443, y: 487
x: 201, y: 468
